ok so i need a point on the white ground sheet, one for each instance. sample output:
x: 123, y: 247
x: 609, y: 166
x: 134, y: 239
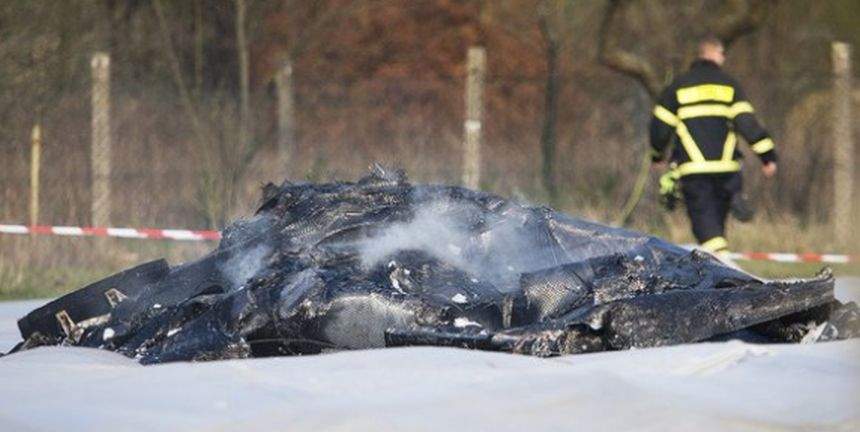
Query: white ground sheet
x: 699, y: 387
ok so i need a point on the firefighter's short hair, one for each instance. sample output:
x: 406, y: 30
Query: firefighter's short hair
x: 710, y: 40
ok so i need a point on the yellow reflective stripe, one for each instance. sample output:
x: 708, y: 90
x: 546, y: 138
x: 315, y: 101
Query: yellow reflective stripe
x: 740, y: 108
x: 715, y: 244
x: 689, y: 145
x: 708, y: 110
x: 665, y: 116
x: 763, y: 146
x: 704, y: 92
x: 708, y: 167
x: 714, y: 110
x: 729, y: 146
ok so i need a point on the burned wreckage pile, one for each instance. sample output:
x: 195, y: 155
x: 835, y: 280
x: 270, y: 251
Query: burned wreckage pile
x: 381, y: 262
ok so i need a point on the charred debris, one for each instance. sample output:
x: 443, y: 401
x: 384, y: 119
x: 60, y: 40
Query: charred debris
x: 381, y: 262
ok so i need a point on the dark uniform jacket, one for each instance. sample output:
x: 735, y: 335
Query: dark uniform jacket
x: 704, y: 109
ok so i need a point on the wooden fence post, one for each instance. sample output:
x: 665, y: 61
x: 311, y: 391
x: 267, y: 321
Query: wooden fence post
x: 101, y: 145
x: 286, y: 115
x: 35, y: 164
x: 843, y: 144
x: 476, y: 64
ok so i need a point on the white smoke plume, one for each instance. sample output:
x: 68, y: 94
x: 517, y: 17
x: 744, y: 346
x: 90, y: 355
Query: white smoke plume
x: 432, y: 230
x: 440, y: 228
x: 242, y: 266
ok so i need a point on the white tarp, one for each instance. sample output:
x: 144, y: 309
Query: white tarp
x: 699, y: 387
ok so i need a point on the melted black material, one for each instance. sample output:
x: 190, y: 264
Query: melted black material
x: 381, y: 263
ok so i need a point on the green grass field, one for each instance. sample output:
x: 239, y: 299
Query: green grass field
x: 775, y: 270
x: 48, y: 282
x: 46, y: 266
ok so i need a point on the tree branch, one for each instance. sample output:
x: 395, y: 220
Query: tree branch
x: 743, y: 17
x: 622, y: 61
x: 310, y: 34
x: 176, y: 69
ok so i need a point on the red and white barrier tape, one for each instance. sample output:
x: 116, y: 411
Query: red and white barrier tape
x: 794, y: 258
x: 131, y: 233
x: 189, y: 235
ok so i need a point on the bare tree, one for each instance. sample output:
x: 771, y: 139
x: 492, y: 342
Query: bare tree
x: 305, y: 35
x: 553, y: 19
x: 198, y: 48
x: 550, y: 12
x: 210, y: 196
x: 740, y: 17
x: 226, y: 148
x: 176, y: 71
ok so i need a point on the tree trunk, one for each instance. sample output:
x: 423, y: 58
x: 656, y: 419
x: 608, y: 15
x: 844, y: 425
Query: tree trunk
x: 548, y: 138
x: 286, y: 117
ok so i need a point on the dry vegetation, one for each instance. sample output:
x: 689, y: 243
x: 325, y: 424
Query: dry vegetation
x: 378, y: 81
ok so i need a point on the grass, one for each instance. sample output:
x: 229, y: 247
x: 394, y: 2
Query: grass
x: 46, y: 283
x: 777, y: 270
x: 43, y: 266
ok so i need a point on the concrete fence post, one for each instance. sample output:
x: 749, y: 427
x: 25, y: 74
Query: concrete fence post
x: 286, y: 116
x: 35, y: 165
x: 101, y: 144
x: 476, y: 66
x: 244, y: 74
x: 843, y: 144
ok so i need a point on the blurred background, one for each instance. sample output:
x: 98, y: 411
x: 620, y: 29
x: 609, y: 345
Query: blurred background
x: 208, y: 100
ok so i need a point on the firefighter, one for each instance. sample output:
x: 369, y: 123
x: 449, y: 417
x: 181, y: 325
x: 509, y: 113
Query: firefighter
x: 696, y: 120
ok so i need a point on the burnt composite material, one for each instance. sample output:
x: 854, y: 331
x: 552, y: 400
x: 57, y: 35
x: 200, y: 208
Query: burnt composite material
x: 381, y: 262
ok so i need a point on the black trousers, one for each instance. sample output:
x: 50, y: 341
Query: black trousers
x: 708, y: 199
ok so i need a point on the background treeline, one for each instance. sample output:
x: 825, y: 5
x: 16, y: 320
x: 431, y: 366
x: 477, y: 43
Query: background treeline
x: 383, y: 81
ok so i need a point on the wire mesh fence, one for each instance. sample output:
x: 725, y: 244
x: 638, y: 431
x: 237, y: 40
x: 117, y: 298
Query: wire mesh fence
x: 163, y: 174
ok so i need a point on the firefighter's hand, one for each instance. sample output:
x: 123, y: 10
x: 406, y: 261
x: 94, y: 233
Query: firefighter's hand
x: 658, y: 166
x: 769, y: 169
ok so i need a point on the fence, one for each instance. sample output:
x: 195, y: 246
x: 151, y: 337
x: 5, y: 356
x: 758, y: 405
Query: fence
x: 480, y: 128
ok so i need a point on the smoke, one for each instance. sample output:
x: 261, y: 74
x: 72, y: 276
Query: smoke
x: 498, y: 252
x: 245, y: 264
x: 433, y: 230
